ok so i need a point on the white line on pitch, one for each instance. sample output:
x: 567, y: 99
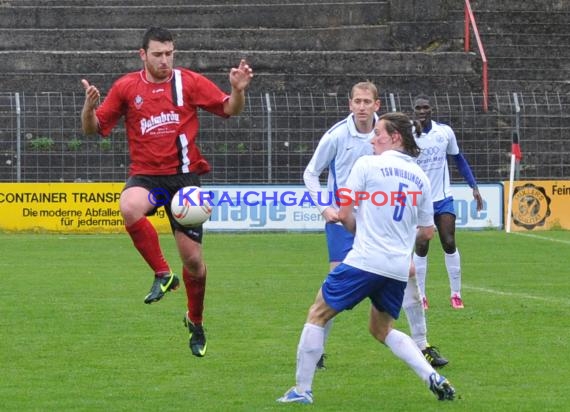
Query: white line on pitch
x: 519, y: 295
x: 535, y: 236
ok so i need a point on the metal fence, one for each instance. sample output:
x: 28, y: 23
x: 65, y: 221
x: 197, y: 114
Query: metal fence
x: 275, y: 136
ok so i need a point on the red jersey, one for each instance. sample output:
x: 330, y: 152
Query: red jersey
x: 161, y: 120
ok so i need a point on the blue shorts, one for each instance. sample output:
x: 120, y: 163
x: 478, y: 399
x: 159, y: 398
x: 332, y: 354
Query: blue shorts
x: 443, y: 206
x: 347, y: 286
x: 339, y: 241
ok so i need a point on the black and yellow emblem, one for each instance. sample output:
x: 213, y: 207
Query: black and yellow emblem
x: 531, y: 206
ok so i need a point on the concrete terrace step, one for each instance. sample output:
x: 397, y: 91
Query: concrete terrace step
x: 128, y: 39
x: 264, y: 82
x: 275, y: 70
x: 521, y: 28
x: 432, y: 36
x: 195, y: 16
x: 168, y: 3
x: 554, y: 64
x: 522, y: 73
x: 524, y: 39
x: 529, y: 86
x: 521, y: 5
x: 337, y: 62
x: 521, y: 17
x: 546, y: 52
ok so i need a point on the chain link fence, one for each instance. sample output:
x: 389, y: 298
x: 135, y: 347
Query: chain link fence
x: 274, y: 138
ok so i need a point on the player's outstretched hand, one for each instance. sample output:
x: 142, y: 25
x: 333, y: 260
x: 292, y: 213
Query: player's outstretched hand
x: 241, y: 76
x: 92, y: 94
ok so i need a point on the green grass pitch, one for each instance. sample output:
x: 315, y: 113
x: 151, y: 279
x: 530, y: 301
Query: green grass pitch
x: 76, y: 336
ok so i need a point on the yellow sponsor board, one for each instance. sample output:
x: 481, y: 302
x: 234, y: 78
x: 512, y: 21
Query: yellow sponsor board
x: 539, y: 205
x: 66, y: 208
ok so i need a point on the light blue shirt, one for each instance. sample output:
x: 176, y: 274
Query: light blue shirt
x: 337, y: 150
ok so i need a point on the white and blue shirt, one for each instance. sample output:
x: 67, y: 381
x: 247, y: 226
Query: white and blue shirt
x: 435, y: 145
x: 337, y: 150
x: 386, y: 233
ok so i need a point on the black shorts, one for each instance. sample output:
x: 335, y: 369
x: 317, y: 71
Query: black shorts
x: 162, y: 189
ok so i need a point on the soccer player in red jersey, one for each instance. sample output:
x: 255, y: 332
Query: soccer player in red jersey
x: 159, y: 104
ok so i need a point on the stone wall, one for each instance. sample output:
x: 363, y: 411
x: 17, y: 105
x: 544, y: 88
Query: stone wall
x: 293, y: 46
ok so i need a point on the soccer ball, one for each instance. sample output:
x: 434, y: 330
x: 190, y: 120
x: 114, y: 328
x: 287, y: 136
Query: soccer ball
x: 189, y: 208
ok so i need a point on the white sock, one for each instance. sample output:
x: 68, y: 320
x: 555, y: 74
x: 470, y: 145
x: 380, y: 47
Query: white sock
x: 421, y: 264
x: 309, y: 352
x: 453, y: 265
x: 415, y: 313
x: 404, y: 348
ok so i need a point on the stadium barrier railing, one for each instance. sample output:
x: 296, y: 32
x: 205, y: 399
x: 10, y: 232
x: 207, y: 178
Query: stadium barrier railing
x: 470, y: 23
x: 274, y: 138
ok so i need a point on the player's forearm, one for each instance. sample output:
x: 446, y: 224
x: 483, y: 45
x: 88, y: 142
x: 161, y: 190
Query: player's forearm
x: 465, y: 170
x: 89, y: 121
x: 314, y: 188
x: 235, y: 104
x: 346, y: 217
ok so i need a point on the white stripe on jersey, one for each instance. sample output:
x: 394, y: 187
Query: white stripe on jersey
x: 178, y: 85
x: 184, y: 160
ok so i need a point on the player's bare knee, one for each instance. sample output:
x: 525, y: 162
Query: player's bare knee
x: 133, y: 211
x: 378, y: 331
x: 422, y: 248
x: 448, y: 245
x: 194, y: 264
x: 131, y: 216
x: 319, y: 314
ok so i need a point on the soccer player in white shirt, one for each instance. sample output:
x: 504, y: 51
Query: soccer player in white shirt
x: 393, y: 196
x: 437, y: 141
x: 338, y: 150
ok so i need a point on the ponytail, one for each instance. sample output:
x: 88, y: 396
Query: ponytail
x: 401, y: 123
